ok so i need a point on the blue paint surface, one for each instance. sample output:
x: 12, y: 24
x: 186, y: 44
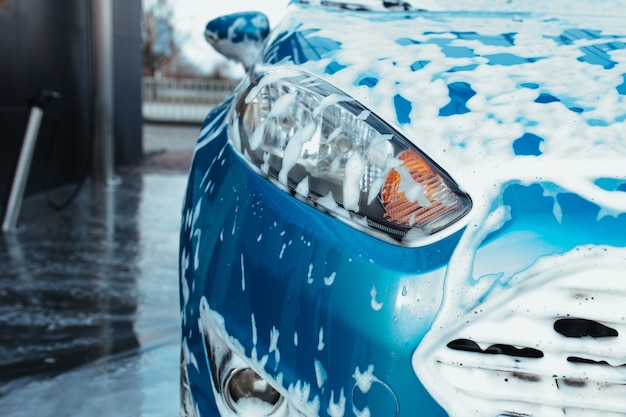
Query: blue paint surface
x: 407, y: 42
x: 334, y: 67
x: 528, y: 144
x: 453, y: 51
x: 505, y: 39
x: 597, y: 54
x: 579, y: 224
x: 403, y: 109
x: 460, y: 93
x: 570, y: 36
x: 611, y: 184
x: 622, y: 87
x: 299, y: 47
x: 545, y: 98
x: 462, y: 68
x: 597, y: 122
x: 509, y: 59
x: 418, y: 65
x: 368, y: 82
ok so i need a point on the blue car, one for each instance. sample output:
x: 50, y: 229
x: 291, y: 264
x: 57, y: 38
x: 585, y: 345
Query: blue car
x: 411, y: 209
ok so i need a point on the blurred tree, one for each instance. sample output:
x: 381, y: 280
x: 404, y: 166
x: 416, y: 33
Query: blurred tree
x: 161, y: 44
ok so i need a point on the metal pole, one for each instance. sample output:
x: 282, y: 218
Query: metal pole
x: 103, y: 156
x: 21, y: 172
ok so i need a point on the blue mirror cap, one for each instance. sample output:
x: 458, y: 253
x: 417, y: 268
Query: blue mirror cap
x: 238, y: 27
x: 235, y: 34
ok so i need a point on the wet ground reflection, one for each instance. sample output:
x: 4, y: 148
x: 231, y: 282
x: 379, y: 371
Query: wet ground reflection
x: 93, y: 291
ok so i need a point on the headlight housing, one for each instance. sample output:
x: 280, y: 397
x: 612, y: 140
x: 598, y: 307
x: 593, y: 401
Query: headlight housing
x: 324, y: 146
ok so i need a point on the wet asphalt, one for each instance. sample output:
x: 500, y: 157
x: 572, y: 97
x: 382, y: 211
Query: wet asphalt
x: 89, y: 307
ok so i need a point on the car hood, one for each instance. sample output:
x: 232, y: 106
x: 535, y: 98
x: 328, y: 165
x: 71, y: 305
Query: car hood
x: 493, y: 97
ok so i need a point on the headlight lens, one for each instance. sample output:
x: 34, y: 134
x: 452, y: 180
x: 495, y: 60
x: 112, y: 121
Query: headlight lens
x: 326, y: 147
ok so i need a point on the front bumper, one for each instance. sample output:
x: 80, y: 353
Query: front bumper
x: 341, y: 323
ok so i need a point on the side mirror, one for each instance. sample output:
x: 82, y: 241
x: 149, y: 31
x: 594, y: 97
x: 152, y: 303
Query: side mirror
x: 238, y: 36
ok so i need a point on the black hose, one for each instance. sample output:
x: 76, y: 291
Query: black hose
x: 48, y: 98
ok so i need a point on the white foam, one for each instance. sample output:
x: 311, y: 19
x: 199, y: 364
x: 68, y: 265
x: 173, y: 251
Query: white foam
x: 320, y: 340
x: 320, y: 373
x: 337, y: 409
x: 329, y: 280
x: 303, y: 187
x: 353, y: 174
x: 309, y: 278
x: 274, y: 335
x: 243, y: 274
x: 364, y: 380
x: 375, y: 304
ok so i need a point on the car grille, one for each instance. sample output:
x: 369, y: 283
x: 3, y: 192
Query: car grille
x: 554, y: 344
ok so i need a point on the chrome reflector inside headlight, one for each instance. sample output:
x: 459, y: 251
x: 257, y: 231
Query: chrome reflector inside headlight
x: 326, y: 147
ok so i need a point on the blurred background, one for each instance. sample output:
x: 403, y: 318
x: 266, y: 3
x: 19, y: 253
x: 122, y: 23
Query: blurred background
x: 158, y: 57
x: 101, y: 102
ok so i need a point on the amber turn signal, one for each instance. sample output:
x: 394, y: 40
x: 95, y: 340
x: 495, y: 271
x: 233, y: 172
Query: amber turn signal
x: 414, y: 195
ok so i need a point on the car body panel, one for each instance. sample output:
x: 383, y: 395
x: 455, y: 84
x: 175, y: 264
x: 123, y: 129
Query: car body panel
x: 312, y: 309
x: 527, y: 112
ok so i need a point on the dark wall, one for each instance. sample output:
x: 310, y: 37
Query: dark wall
x: 47, y: 45
x: 128, y: 80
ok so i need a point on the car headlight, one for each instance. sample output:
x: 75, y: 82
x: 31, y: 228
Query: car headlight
x: 326, y: 147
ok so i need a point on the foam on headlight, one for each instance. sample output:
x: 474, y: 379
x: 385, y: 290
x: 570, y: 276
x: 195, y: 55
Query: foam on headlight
x: 323, y: 145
